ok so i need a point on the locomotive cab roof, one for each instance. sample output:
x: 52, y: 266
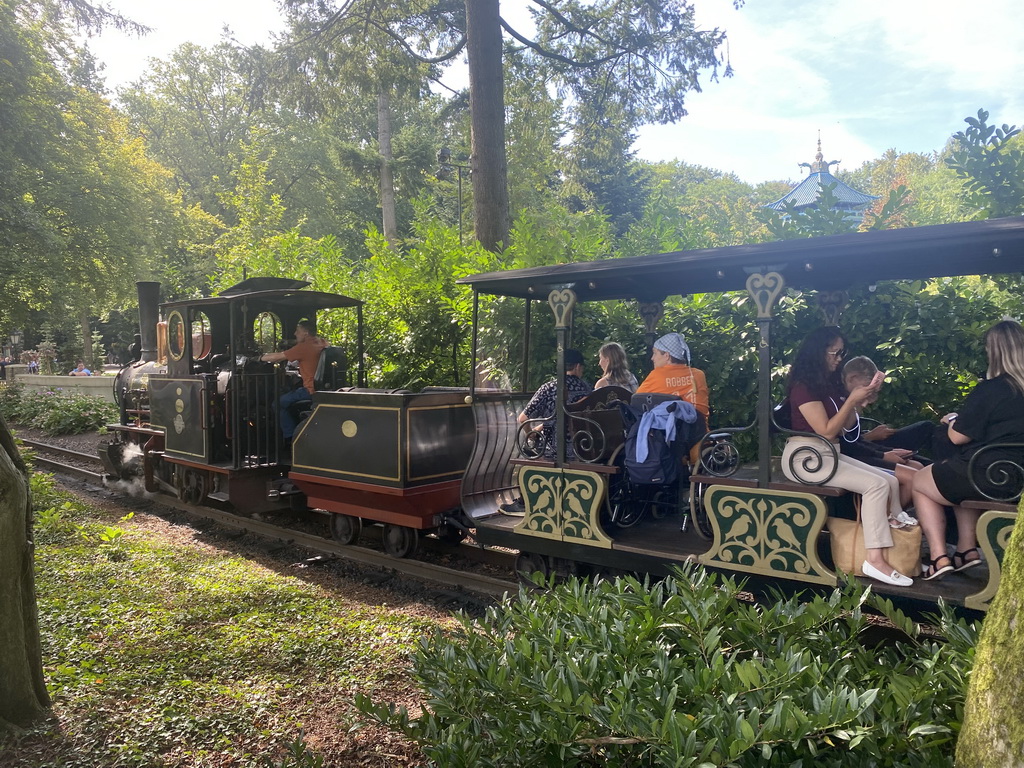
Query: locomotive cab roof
x: 271, y: 292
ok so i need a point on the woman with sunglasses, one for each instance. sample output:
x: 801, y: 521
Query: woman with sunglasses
x: 818, y: 403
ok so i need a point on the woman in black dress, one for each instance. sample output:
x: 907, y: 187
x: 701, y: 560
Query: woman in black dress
x: 992, y: 413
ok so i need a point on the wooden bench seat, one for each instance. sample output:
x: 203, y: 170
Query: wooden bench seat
x: 984, y: 506
x: 603, y: 469
x: 746, y: 481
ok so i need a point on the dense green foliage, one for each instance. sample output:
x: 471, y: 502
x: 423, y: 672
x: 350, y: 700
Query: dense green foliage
x: 681, y: 673
x: 991, y: 164
x: 55, y: 412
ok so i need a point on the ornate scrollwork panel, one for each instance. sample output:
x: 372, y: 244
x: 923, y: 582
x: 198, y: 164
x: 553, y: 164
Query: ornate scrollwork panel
x: 651, y: 312
x: 994, y: 531
x: 764, y: 290
x: 564, y: 505
x: 770, y: 533
x: 561, y: 301
x: 832, y: 304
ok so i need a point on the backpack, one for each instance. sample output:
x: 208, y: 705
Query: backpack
x: 661, y: 466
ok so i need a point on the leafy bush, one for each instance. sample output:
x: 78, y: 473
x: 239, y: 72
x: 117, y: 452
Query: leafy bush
x: 681, y: 673
x: 56, y: 412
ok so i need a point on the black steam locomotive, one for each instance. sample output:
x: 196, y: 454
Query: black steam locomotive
x: 200, y: 419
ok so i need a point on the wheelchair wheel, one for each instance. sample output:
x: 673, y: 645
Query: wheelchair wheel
x: 698, y: 514
x: 623, y: 507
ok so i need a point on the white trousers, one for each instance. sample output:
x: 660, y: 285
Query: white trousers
x: 880, y: 491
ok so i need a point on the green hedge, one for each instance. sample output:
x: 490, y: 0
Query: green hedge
x: 681, y: 673
x: 55, y: 412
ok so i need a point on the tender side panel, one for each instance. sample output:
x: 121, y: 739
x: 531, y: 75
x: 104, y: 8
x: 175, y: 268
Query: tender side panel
x: 440, y: 441
x: 392, y: 440
x: 356, y: 442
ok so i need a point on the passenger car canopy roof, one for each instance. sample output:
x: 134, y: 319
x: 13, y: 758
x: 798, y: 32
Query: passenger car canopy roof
x: 995, y: 246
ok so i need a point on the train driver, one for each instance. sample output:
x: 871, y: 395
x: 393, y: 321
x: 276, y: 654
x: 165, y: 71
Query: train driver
x: 306, y: 352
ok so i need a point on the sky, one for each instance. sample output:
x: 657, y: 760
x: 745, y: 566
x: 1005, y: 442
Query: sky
x: 869, y: 75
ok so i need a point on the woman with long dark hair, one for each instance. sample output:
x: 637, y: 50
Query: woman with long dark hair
x: 992, y: 413
x: 819, y: 403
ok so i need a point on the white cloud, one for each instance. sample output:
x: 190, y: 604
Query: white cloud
x: 870, y: 75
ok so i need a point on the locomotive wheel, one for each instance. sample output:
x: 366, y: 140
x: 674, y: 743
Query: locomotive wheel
x: 449, y: 534
x: 528, y: 564
x: 192, y: 486
x: 400, y: 541
x: 345, y: 528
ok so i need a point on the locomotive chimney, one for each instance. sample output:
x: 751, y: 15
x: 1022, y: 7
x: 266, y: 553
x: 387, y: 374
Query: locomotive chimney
x: 149, y: 314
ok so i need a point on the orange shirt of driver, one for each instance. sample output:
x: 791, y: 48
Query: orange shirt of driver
x: 681, y: 380
x: 307, y: 354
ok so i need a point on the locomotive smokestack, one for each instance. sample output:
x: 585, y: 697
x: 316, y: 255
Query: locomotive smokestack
x: 149, y: 314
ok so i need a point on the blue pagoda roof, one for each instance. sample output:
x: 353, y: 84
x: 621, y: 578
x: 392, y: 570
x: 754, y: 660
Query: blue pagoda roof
x: 806, y: 192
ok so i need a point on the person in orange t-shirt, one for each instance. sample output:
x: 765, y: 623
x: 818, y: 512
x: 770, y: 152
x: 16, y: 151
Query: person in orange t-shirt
x: 306, y: 352
x: 672, y: 374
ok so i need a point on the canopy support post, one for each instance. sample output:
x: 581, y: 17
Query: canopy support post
x: 764, y: 289
x: 561, y: 301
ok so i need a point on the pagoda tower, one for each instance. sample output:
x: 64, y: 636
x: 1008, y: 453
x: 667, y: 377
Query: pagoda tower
x: 805, y: 194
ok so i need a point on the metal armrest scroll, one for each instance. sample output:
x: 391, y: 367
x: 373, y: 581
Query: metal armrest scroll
x: 1004, y: 477
x: 718, y: 454
x: 531, y: 438
x: 808, y: 458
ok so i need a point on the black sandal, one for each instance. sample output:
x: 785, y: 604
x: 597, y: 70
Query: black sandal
x: 964, y: 563
x: 932, y: 570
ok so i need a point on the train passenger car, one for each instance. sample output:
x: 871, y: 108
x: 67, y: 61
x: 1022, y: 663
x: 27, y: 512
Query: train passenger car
x: 757, y: 523
x: 199, y: 416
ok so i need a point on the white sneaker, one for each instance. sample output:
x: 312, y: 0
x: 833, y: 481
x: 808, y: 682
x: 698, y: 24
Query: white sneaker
x: 904, y: 518
x: 895, y: 578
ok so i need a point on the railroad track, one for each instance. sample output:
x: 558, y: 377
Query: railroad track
x: 49, y: 457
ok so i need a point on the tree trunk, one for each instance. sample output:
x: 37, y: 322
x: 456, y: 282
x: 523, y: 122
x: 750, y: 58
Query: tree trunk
x: 993, y: 729
x: 489, y: 163
x: 387, y: 174
x: 23, y: 695
x: 86, y: 343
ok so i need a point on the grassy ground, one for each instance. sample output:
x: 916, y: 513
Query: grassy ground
x: 163, y: 648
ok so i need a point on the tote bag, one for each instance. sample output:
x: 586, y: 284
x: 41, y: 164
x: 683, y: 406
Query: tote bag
x: 848, y: 550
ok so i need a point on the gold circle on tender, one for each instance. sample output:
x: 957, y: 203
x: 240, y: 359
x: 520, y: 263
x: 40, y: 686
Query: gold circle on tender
x: 179, y: 405
x: 349, y: 428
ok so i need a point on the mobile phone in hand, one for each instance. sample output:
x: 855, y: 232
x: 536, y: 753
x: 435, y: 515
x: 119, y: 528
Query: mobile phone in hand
x: 877, y: 380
